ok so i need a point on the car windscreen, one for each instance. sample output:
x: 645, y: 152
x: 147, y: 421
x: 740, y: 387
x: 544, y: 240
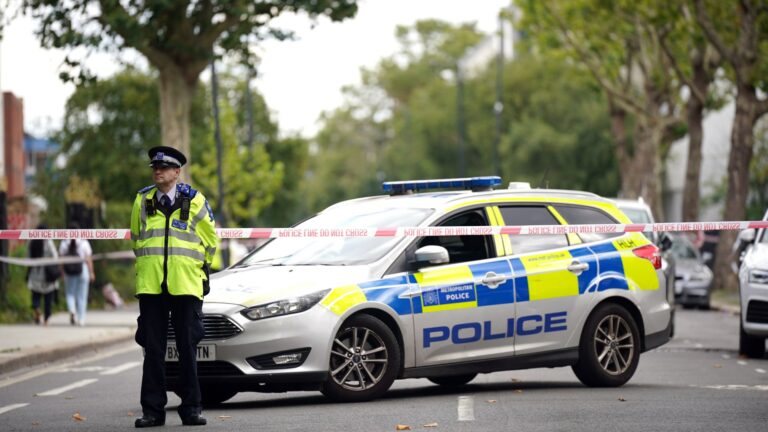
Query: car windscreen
x: 338, y: 250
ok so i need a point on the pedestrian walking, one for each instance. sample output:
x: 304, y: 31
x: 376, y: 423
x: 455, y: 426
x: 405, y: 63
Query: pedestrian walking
x: 43, y: 280
x: 174, y: 239
x: 77, y: 275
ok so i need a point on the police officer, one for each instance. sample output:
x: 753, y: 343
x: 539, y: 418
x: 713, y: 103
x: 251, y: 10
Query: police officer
x: 172, y: 231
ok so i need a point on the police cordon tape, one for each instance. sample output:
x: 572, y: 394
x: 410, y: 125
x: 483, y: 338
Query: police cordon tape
x: 267, y: 233
x: 352, y: 232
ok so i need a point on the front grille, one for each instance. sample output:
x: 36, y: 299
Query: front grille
x: 205, y: 369
x: 757, y: 312
x: 216, y: 327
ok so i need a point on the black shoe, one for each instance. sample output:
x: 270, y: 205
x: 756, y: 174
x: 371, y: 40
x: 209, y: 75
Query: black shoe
x: 149, y: 421
x: 194, y: 420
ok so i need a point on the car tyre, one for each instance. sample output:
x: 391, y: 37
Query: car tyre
x: 453, y: 380
x: 609, y: 348
x: 364, y: 361
x: 751, y: 346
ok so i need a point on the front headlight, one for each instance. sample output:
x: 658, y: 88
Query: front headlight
x: 284, y: 307
x: 758, y: 277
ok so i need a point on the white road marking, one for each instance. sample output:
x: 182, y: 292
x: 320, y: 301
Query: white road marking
x: 82, y: 369
x: 760, y: 370
x: 466, y: 408
x: 123, y: 367
x: 742, y: 362
x: 736, y: 387
x: 7, y: 408
x: 60, y: 390
x: 51, y: 369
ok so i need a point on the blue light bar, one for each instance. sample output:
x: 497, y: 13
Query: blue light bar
x: 474, y: 183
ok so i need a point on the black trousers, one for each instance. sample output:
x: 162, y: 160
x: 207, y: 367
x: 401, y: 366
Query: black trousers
x: 47, y: 301
x: 152, y: 334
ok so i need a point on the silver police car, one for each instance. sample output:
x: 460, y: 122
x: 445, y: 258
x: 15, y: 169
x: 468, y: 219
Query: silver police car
x: 348, y: 316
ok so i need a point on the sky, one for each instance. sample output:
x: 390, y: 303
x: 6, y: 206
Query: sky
x: 299, y: 79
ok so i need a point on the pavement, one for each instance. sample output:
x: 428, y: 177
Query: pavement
x: 27, y: 345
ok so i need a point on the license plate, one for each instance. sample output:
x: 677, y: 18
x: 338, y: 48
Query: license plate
x: 204, y: 353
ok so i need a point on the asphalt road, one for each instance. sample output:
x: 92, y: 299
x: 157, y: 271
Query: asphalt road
x: 694, y: 383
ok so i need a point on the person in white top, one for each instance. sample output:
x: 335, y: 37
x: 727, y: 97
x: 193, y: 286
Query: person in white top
x: 77, y: 276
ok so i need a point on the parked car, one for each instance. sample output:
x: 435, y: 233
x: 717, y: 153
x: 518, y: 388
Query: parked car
x: 753, y: 293
x: 348, y: 316
x: 693, y: 279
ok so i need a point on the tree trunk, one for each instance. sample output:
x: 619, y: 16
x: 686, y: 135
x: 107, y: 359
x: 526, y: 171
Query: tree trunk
x: 621, y: 147
x: 646, y: 166
x: 691, y: 191
x: 742, y: 140
x: 175, y: 102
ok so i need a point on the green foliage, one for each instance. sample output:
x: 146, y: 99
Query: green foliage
x: 757, y: 202
x: 402, y: 122
x: 170, y: 33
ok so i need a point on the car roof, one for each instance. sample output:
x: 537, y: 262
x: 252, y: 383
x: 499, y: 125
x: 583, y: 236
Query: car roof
x: 441, y: 200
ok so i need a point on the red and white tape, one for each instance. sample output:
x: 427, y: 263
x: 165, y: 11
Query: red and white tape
x: 264, y: 233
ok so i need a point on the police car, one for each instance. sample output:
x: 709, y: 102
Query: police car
x: 348, y: 316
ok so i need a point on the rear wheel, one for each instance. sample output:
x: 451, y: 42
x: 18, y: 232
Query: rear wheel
x: 751, y: 346
x: 365, y: 360
x: 453, y: 380
x: 609, y: 350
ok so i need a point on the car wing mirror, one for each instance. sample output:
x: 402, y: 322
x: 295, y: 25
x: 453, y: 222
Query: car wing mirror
x: 431, y: 255
x: 747, y: 235
x: 665, y: 241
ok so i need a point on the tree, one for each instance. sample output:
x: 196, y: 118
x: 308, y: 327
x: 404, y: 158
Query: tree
x: 110, y: 124
x: 176, y: 37
x: 744, y: 49
x: 618, y: 42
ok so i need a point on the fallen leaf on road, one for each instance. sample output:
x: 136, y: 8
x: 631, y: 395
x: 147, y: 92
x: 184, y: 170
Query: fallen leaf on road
x: 224, y: 417
x: 402, y: 427
x: 717, y: 366
x: 491, y: 401
x: 76, y: 416
x: 130, y: 414
x: 69, y: 397
x: 518, y: 391
x: 515, y: 380
x: 621, y: 399
x: 35, y: 423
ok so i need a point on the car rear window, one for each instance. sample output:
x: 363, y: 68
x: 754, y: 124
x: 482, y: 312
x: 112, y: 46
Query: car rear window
x: 580, y: 215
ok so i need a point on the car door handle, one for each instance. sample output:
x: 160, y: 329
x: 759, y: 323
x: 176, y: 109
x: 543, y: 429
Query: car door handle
x: 578, y: 267
x: 492, y: 280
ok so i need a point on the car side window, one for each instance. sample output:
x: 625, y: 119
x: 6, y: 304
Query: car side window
x: 580, y: 215
x: 462, y: 248
x: 531, y: 215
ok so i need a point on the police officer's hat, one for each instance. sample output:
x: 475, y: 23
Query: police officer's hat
x: 164, y: 156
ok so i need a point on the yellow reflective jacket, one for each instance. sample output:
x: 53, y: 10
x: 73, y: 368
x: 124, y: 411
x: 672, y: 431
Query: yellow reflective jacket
x: 170, y: 251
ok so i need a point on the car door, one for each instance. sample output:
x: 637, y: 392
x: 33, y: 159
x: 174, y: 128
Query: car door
x: 550, y: 272
x: 462, y: 308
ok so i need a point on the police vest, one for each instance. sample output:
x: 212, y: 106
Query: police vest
x: 172, y: 250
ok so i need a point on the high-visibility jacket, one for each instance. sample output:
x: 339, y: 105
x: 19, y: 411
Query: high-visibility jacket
x: 172, y: 252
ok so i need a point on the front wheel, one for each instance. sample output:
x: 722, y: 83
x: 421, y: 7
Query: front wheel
x: 365, y: 359
x: 609, y: 349
x: 750, y: 346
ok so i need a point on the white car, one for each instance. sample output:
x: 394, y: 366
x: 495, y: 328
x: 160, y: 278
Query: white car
x: 348, y: 316
x: 753, y: 291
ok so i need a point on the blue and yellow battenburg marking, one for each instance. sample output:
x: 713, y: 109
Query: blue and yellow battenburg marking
x: 543, y: 276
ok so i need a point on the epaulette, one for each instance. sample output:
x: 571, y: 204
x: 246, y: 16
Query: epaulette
x: 146, y: 189
x: 185, y: 190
